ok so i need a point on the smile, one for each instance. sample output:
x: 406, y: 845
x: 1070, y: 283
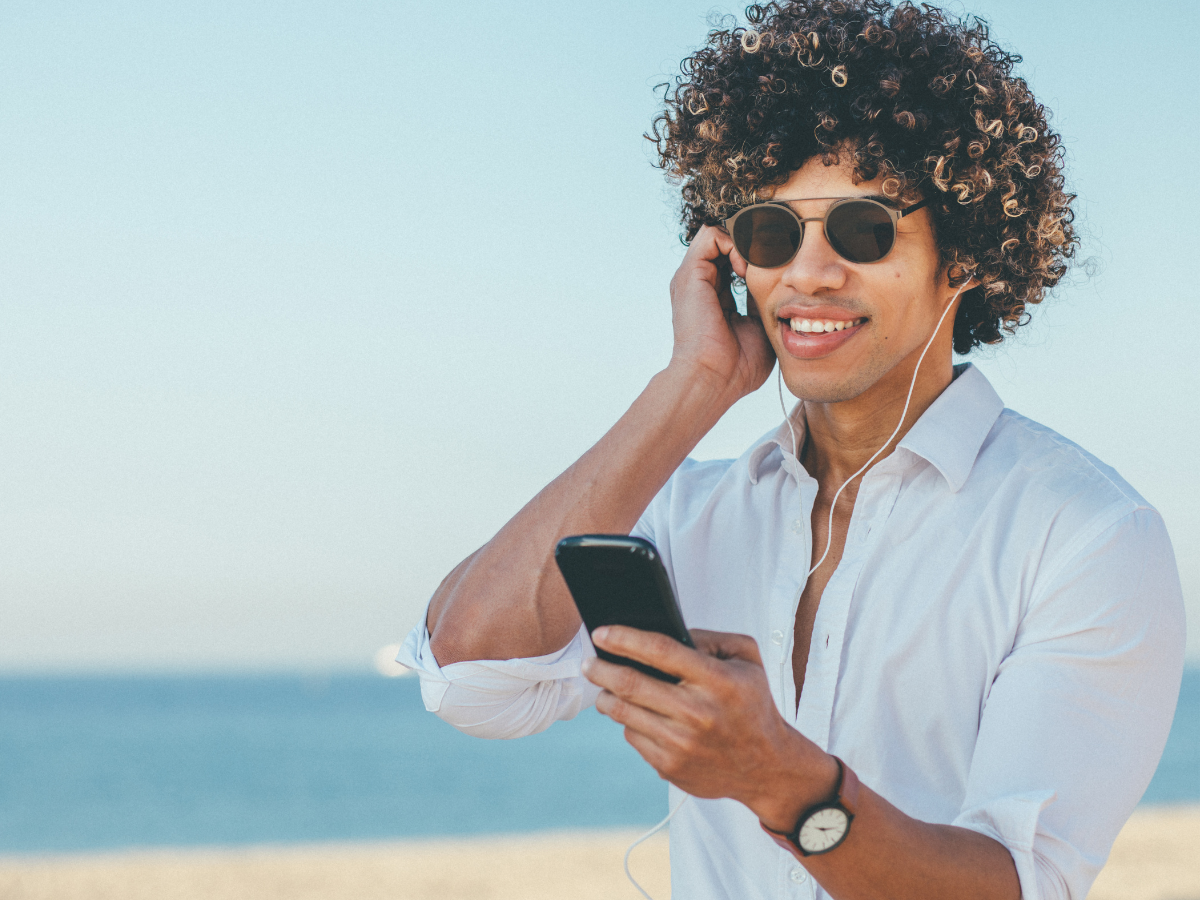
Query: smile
x: 821, y: 326
x: 807, y: 334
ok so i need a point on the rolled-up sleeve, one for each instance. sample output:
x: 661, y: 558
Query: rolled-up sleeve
x: 1075, y: 721
x: 507, y: 698
x: 502, y: 698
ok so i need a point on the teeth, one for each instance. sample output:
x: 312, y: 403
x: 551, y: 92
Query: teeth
x: 816, y: 326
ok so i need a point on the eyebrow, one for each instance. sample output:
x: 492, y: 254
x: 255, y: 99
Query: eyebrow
x: 886, y: 201
x: 880, y: 198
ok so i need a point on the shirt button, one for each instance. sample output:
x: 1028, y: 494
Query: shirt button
x: 798, y: 875
x: 798, y: 526
x: 776, y: 636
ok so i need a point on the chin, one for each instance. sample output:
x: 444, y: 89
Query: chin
x: 829, y: 388
x: 824, y: 393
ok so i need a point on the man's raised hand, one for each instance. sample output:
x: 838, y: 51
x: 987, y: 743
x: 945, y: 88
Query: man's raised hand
x: 711, y: 337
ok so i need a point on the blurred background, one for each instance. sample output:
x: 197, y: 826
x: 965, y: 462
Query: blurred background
x: 299, y: 302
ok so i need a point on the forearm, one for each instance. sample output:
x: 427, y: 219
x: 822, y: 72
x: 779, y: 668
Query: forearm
x: 889, y: 855
x: 507, y: 599
x: 718, y: 733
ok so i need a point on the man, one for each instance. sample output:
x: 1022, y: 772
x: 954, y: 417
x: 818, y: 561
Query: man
x: 968, y: 693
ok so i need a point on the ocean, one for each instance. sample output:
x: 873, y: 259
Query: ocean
x: 102, y: 763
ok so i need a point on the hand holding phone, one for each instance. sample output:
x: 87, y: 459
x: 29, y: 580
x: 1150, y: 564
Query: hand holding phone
x: 616, y: 579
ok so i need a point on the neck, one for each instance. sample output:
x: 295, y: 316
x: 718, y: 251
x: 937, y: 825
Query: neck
x: 842, y: 436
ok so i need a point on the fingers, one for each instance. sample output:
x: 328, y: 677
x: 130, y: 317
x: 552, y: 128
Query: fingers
x: 725, y: 287
x: 710, y: 243
x: 725, y: 645
x: 705, y: 262
x: 735, y: 259
x: 714, y: 246
x: 653, y: 649
x: 652, y: 751
x: 631, y: 715
x: 649, y: 750
x: 703, y: 734
x: 666, y: 742
x: 628, y: 685
x: 712, y: 237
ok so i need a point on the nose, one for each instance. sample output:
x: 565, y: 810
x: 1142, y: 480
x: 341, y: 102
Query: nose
x: 816, y: 265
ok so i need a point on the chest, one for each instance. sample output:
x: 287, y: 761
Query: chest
x: 828, y: 527
x: 905, y: 601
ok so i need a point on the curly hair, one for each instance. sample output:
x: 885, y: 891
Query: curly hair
x: 923, y: 100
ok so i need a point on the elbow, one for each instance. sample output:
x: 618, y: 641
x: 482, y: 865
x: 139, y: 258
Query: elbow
x: 445, y: 632
x: 446, y: 650
x: 446, y: 638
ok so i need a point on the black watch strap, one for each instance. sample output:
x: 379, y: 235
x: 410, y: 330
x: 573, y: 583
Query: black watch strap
x: 844, y: 791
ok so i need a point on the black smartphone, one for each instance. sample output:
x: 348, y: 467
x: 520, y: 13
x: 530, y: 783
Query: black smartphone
x: 620, y: 580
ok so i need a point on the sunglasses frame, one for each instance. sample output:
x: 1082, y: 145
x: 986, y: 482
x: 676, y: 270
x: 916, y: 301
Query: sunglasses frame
x: 893, y: 213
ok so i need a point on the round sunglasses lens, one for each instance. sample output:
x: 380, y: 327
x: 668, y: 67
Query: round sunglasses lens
x: 860, y: 231
x: 767, y: 236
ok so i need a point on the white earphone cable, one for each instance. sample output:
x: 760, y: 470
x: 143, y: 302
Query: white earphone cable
x: 829, y: 542
x: 907, y: 400
x: 649, y: 834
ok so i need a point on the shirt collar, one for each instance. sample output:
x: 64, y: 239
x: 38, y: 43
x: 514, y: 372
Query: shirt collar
x: 778, y: 440
x: 949, y: 435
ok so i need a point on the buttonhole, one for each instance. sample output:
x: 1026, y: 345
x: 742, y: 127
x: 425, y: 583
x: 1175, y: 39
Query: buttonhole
x: 826, y: 642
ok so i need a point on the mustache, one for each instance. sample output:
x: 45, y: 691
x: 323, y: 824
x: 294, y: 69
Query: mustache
x: 852, y: 305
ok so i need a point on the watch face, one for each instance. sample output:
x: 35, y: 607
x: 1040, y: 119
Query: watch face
x: 823, y: 830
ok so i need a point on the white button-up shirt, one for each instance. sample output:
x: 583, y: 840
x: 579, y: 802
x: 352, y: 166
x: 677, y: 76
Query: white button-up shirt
x: 1000, y: 647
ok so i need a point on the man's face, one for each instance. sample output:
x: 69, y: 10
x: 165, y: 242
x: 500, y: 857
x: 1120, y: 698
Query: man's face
x: 889, y: 308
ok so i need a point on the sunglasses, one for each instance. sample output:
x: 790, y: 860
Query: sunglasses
x: 860, y: 229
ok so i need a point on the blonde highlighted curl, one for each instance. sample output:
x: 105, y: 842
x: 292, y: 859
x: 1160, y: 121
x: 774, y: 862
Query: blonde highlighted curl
x: 926, y: 101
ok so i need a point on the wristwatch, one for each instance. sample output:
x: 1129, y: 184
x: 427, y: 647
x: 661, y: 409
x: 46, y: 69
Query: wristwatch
x: 822, y: 827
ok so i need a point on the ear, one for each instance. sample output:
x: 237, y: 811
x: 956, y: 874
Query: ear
x: 969, y: 286
x: 953, y: 270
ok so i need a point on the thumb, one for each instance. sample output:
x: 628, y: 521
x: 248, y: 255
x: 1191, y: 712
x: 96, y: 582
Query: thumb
x: 726, y: 645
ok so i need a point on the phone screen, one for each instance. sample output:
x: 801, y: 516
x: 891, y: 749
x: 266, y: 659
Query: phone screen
x: 620, y: 580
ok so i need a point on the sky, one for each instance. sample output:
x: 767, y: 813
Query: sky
x: 300, y: 302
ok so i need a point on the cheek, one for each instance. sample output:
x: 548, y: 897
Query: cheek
x: 895, y: 303
x: 760, y: 283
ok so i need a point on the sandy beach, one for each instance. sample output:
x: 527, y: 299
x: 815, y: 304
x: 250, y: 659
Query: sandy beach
x: 1157, y: 857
